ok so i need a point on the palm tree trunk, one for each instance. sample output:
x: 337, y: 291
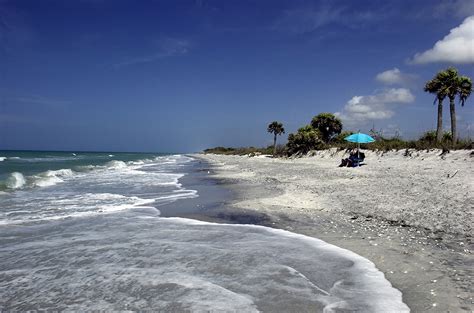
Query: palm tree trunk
x: 274, y: 144
x: 452, y: 110
x: 439, y: 126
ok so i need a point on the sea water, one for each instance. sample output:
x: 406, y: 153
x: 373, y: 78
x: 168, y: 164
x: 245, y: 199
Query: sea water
x: 83, y: 231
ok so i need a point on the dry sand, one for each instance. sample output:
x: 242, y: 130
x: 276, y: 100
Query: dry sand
x: 411, y: 214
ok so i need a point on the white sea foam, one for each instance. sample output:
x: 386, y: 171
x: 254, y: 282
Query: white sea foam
x: 94, y: 189
x: 180, y: 194
x: 51, y: 178
x: 65, y: 172
x: 139, y: 162
x: 2, y: 158
x: 163, y: 264
x: 16, y: 180
x: 173, y: 159
x: 47, y: 181
x: 77, y: 206
x: 117, y: 208
x: 367, y: 281
x: 114, y: 164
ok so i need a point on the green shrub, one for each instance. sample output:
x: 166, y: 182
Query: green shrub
x: 429, y: 137
x: 306, y: 138
x: 219, y: 150
x: 328, y: 126
x: 447, y: 137
x: 384, y: 144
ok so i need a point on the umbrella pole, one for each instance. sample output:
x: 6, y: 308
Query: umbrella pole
x: 358, y: 158
x: 358, y: 149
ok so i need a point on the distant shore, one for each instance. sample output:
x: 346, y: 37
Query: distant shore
x: 411, y: 214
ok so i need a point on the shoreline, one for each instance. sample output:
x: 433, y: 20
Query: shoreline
x: 431, y: 267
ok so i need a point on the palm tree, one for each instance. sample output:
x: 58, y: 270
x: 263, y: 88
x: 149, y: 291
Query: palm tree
x: 275, y: 128
x: 464, y: 91
x: 454, y: 85
x: 449, y: 84
x: 434, y: 86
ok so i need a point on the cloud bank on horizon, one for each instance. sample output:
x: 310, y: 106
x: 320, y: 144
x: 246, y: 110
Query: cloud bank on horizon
x: 456, y: 47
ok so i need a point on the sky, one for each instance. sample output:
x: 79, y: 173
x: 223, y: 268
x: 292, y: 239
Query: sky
x: 182, y: 76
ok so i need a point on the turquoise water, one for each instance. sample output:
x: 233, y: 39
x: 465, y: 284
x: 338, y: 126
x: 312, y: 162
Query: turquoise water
x: 32, y: 166
x: 44, y: 186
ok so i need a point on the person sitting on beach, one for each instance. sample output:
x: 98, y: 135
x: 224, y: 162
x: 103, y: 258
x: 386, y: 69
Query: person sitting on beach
x: 354, y: 159
x: 345, y: 162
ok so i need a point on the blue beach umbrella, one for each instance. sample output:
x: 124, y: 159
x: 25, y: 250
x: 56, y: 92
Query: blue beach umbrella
x: 359, y: 138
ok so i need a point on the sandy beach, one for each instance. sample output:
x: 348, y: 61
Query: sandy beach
x: 410, y: 213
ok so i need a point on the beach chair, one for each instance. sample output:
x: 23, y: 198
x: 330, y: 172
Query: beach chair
x: 358, y: 159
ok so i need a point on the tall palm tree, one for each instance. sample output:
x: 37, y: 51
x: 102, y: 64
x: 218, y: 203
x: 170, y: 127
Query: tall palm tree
x: 454, y: 85
x: 275, y: 128
x: 435, y: 86
x: 464, y: 90
x: 449, y: 84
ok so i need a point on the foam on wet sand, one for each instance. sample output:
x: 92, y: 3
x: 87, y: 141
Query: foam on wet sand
x: 177, y: 264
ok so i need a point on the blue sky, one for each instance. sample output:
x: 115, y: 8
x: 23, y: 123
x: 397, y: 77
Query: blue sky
x: 124, y: 75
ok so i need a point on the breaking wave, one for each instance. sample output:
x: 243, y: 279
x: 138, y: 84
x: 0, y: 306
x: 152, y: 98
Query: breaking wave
x: 51, y: 178
x: 16, y: 180
x: 116, y: 164
x: 92, y: 189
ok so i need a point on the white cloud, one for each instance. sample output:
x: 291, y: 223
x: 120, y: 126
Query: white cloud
x: 395, y: 77
x: 361, y: 109
x: 456, y: 47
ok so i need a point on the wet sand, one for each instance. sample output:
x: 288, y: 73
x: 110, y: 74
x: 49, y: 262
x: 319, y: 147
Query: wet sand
x: 411, y: 214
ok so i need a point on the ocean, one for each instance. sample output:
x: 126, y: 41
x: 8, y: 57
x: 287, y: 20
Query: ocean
x: 85, y: 231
